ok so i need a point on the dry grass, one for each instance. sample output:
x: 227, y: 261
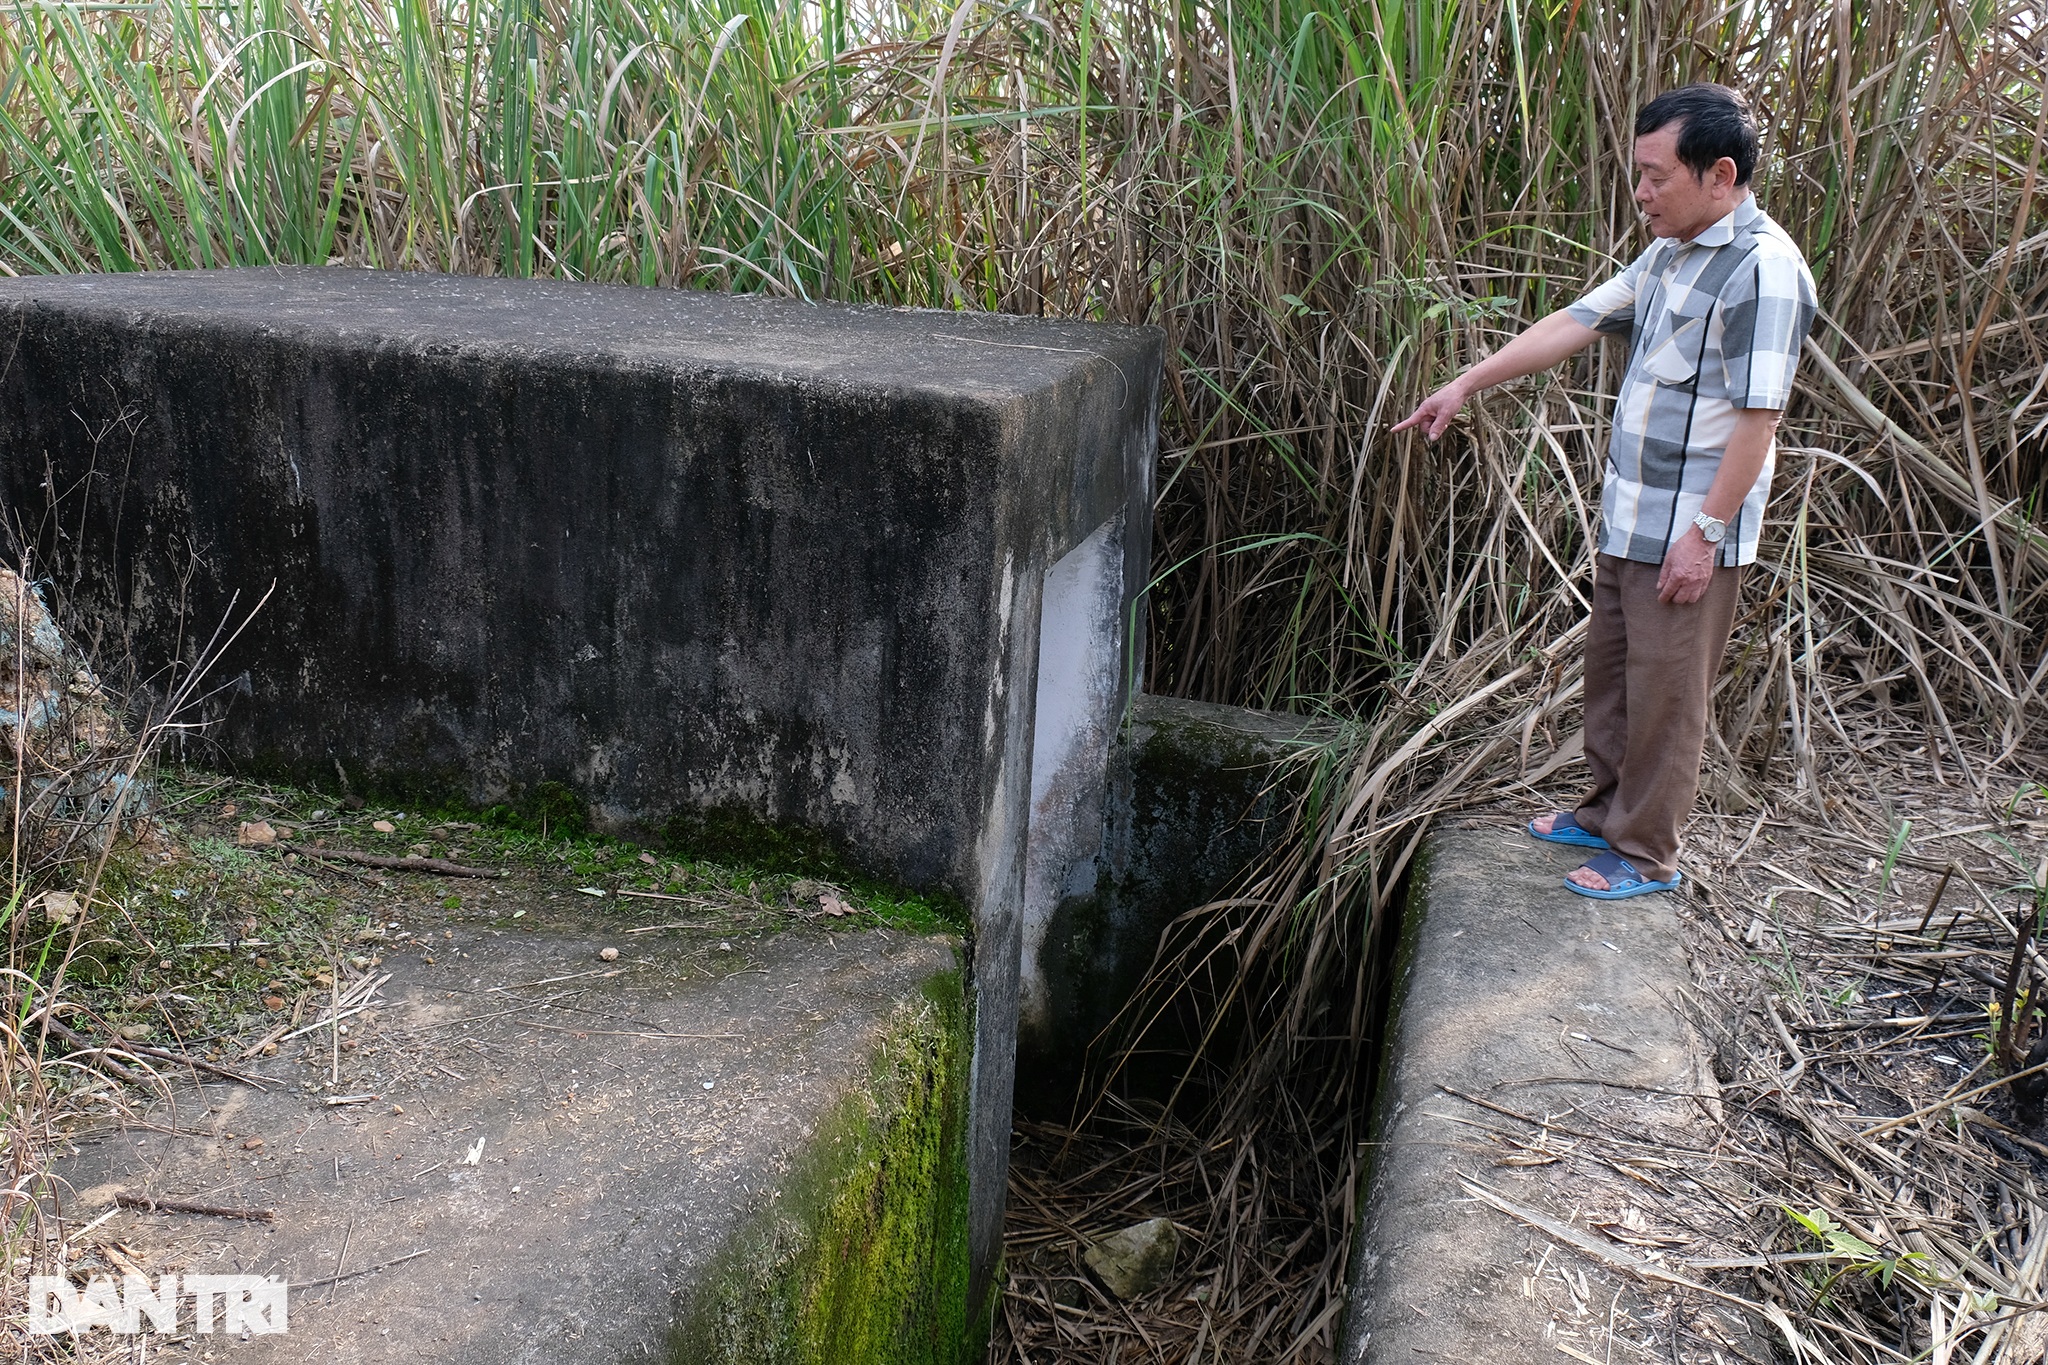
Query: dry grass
x: 1853, y: 979
x: 1872, y: 985
x: 76, y: 790
x: 1245, y: 1286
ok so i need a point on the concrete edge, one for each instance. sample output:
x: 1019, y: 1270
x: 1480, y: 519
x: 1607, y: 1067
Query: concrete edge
x: 1498, y: 968
x: 865, y: 1259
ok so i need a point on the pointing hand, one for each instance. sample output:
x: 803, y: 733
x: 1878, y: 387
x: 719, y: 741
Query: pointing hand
x: 1436, y: 411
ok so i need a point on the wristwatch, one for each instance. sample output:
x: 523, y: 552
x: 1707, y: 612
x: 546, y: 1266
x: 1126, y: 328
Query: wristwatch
x: 1711, y: 528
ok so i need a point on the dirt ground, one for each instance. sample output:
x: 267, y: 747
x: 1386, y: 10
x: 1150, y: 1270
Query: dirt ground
x: 489, y: 1117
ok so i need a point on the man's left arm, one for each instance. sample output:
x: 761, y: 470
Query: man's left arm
x: 1689, y: 563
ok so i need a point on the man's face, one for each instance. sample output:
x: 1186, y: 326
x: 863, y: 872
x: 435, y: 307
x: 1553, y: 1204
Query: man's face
x: 1678, y: 201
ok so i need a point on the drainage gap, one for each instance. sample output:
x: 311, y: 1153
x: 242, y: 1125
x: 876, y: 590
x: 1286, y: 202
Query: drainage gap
x: 1187, y: 1104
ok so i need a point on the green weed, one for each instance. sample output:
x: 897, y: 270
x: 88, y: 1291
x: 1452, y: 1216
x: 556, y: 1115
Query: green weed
x: 1857, y: 1256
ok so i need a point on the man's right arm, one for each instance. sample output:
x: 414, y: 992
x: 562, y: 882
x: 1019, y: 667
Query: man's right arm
x: 1550, y: 341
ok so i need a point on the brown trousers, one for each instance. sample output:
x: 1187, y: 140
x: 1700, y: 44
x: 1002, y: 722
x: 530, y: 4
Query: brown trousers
x: 1650, y: 670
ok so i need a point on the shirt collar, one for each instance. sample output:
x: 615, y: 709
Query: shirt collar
x: 1723, y: 231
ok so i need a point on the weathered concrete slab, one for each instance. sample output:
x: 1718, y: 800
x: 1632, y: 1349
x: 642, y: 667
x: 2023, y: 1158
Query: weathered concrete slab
x: 715, y: 1149
x: 1513, y: 990
x: 685, y: 553
x: 1195, y: 792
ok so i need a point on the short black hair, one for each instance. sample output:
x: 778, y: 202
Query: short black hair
x: 1714, y: 122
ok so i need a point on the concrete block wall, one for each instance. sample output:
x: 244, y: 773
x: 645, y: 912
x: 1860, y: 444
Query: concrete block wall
x: 864, y: 570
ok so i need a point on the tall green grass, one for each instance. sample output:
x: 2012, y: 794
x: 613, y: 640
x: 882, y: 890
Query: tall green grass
x: 1328, y: 207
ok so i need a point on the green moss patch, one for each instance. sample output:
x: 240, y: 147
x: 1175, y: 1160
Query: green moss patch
x: 197, y: 941
x: 862, y: 1257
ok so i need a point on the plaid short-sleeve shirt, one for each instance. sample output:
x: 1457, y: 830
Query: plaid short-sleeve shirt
x: 1714, y: 325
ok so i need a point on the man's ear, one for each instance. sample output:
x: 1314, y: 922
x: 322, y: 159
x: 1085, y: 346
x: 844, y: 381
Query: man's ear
x: 1724, y: 173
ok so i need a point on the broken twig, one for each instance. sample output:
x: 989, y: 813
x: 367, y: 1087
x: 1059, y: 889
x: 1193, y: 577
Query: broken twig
x: 149, y: 1205
x: 366, y: 1270
x: 440, y: 867
x: 80, y: 1041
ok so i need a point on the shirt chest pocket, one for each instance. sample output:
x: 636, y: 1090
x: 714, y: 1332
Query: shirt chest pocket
x: 1676, y: 359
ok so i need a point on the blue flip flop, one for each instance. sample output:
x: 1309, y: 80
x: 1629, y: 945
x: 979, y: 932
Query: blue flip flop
x: 1623, y: 880
x: 1565, y: 830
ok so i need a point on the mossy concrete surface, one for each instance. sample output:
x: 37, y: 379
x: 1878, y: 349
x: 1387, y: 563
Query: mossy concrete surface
x: 1195, y: 793
x: 558, y: 1157
x: 682, y: 554
x: 863, y: 1261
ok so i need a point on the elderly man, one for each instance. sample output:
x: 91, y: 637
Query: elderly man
x: 1715, y: 311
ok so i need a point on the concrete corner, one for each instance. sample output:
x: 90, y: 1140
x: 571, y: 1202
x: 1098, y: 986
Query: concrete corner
x: 1195, y: 792
x: 738, y: 1148
x: 868, y: 571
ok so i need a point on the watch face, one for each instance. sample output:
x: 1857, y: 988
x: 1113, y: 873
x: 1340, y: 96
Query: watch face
x: 1711, y: 530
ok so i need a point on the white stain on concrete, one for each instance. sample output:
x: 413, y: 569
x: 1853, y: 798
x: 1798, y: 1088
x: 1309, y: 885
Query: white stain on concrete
x: 1079, y: 705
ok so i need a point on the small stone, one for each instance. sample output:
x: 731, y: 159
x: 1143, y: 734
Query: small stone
x: 132, y: 1031
x: 1136, y: 1260
x: 253, y: 1145
x: 384, y: 827
x: 59, y: 907
x: 608, y: 954
x: 255, y: 834
x: 273, y: 1002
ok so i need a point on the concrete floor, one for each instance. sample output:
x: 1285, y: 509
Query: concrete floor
x: 632, y: 1114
